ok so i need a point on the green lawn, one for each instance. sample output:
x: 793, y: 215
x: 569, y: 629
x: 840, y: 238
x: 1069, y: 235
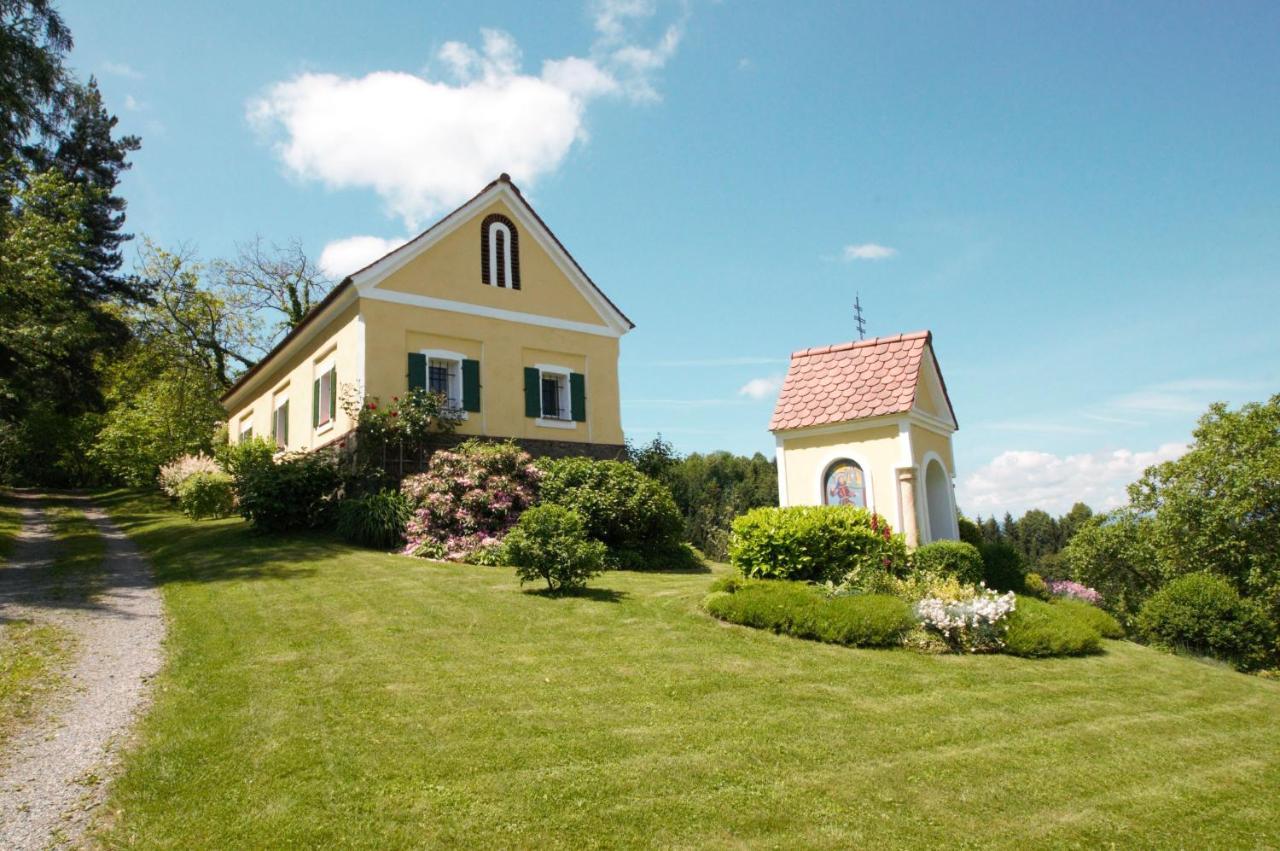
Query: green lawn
x: 10, y: 524
x: 321, y: 696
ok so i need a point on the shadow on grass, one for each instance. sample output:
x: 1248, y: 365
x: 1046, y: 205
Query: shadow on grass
x: 599, y: 595
x: 211, y: 551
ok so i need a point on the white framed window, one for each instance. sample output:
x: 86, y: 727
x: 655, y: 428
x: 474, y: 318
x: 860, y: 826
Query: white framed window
x: 324, y: 395
x: 246, y: 427
x: 444, y: 376
x: 280, y: 420
x: 555, y: 400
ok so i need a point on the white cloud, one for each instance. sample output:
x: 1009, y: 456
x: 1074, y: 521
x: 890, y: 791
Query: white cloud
x: 133, y: 104
x: 761, y: 388
x: 120, y: 69
x: 1018, y: 480
x: 344, y: 256
x: 425, y: 144
x: 868, y: 251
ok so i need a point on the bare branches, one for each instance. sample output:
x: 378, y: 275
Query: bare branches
x: 281, y: 279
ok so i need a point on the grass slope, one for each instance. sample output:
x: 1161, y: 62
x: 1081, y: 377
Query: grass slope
x: 318, y: 695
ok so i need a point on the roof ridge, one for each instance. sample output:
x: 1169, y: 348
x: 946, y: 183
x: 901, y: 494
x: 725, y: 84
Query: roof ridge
x: 860, y: 344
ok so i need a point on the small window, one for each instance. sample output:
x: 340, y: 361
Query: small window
x: 246, y: 427
x: 444, y: 377
x: 499, y: 252
x: 844, y: 484
x: 280, y: 424
x: 555, y: 396
x: 325, y: 397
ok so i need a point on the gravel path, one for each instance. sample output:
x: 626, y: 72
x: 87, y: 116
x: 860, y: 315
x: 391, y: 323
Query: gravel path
x: 54, y: 772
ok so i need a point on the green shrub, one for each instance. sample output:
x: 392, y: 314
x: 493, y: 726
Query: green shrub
x: 1002, y: 567
x: 1203, y: 614
x: 376, y: 520
x: 838, y: 543
x: 630, y: 513
x: 730, y: 583
x: 800, y: 610
x: 296, y: 492
x: 949, y: 558
x: 550, y: 542
x: 1036, y: 628
x: 1035, y: 586
x: 202, y: 495
x: 1106, y: 625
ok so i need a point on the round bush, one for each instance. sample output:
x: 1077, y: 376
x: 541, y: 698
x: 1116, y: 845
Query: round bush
x: 1035, y: 586
x: 840, y: 543
x: 1106, y: 625
x: 949, y: 558
x: 376, y: 520
x: 1203, y: 614
x: 1002, y: 567
x: 202, y: 495
x: 630, y: 513
x: 550, y: 543
x: 1036, y: 628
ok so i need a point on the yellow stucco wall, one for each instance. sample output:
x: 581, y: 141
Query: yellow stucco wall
x: 293, y: 377
x: 450, y: 269
x: 876, y: 449
x: 924, y: 440
x: 503, y: 349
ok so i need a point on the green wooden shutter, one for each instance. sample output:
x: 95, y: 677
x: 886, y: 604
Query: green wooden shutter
x: 532, y: 392
x: 417, y: 371
x: 333, y: 394
x: 471, y: 385
x: 315, y: 403
x: 578, y: 396
x: 274, y: 420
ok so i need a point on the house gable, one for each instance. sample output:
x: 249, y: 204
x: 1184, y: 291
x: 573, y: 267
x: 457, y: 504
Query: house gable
x: 931, y: 395
x: 442, y: 269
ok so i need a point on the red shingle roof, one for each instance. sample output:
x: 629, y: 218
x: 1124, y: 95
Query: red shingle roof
x: 851, y: 381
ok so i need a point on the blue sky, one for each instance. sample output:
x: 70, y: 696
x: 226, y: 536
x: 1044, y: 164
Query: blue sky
x: 1081, y: 201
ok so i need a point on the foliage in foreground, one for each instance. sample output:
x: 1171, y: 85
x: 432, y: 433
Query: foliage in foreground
x: 837, y: 543
x: 375, y: 520
x: 1203, y: 614
x: 630, y: 513
x: 550, y: 543
x: 800, y: 610
x: 296, y: 491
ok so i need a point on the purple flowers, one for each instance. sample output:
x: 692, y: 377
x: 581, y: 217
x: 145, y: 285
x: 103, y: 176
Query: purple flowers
x: 1067, y: 588
x: 468, y: 499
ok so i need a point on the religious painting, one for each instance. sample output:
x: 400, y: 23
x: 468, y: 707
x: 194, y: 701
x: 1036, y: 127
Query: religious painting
x: 845, y: 485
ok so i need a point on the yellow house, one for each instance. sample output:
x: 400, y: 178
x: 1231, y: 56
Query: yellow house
x: 869, y: 423
x: 486, y: 307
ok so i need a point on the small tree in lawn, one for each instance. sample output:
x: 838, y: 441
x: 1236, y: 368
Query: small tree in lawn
x: 551, y: 543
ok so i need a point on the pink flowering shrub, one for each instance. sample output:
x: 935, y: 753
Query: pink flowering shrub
x: 1067, y: 588
x: 468, y: 500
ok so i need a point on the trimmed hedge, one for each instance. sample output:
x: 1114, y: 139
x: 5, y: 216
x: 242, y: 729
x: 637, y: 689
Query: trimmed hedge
x: 817, y: 543
x: 800, y: 610
x: 1106, y: 625
x: 1203, y: 614
x: 1038, y: 629
x: 949, y: 558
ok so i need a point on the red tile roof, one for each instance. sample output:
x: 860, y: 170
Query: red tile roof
x: 852, y: 381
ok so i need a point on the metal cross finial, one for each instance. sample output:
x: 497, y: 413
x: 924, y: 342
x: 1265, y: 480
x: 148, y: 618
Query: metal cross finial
x: 858, y: 321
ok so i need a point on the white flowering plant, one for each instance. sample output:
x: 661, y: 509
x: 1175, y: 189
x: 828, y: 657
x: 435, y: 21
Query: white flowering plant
x: 973, y: 623
x: 177, y: 471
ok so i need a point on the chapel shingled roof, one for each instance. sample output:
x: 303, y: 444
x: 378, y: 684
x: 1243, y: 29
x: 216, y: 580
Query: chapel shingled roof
x: 852, y: 381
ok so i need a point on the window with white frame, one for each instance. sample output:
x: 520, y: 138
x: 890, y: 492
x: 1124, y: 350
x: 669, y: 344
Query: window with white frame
x: 444, y: 376
x: 324, y: 395
x: 555, y: 395
x: 246, y: 427
x: 280, y: 421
